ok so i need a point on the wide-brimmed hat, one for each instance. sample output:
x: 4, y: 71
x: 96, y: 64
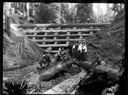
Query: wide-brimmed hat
x: 83, y: 42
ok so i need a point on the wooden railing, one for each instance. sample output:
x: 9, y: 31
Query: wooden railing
x: 56, y: 35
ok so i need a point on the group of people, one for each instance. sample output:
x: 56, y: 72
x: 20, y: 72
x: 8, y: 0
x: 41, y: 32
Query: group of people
x: 62, y: 54
x: 78, y: 50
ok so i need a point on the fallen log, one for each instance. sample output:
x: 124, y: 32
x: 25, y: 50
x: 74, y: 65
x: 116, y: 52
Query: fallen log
x: 111, y: 72
x: 48, y: 74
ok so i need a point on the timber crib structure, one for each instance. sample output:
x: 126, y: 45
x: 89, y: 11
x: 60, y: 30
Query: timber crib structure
x: 53, y: 36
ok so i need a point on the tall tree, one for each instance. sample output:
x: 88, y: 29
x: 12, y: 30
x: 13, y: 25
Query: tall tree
x: 84, y: 12
x: 67, y: 15
x: 46, y: 13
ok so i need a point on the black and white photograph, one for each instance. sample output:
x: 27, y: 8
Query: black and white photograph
x: 64, y: 48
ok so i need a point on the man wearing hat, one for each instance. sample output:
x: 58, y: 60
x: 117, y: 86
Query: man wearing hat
x: 74, y: 50
x: 84, y: 51
x: 70, y: 44
x: 79, y: 50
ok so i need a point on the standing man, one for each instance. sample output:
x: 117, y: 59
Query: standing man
x: 84, y: 51
x: 70, y: 44
x: 73, y: 50
x: 76, y: 50
x: 79, y: 50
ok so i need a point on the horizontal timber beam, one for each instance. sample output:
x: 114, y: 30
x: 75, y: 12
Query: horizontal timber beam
x: 58, y: 35
x: 58, y: 40
x: 56, y: 51
x: 69, y: 30
x: 53, y: 45
x: 62, y: 25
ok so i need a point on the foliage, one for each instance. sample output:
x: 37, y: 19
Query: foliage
x: 110, y: 14
x: 50, y: 13
x: 14, y: 89
x: 68, y: 16
x: 113, y: 45
x: 84, y: 12
x: 117, y: 7
x: 45, y: 13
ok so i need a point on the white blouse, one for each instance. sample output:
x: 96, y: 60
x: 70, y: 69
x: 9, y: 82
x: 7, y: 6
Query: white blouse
x: 80, y: 47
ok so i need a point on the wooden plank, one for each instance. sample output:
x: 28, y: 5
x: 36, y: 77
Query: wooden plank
x: 58, y: 40
x: 63, y: 25
x: 34, y: 36
x: 68, y: 30
x: 68, y: 37
x: 58, y: 35
x: 53, y: 45
x: 45, y: 34
x: 55, y: 38
x: 53, y: 51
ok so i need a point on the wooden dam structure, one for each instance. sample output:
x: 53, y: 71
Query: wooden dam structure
x: 53, y: 36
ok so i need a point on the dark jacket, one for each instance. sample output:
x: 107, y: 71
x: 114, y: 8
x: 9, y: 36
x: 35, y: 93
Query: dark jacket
x: 70, y: 48
x: 76, y: 51
x: 47, y: 58
x: 73, y: 51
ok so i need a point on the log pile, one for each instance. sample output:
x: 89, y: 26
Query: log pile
x: 48, y: 74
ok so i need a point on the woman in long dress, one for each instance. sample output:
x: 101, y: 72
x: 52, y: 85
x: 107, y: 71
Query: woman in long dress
x: 80, y: 51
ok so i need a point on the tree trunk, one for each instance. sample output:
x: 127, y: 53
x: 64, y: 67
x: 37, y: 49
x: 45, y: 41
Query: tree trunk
x: 48, y: 74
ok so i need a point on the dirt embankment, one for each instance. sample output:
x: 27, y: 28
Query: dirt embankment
x: 19, y: 51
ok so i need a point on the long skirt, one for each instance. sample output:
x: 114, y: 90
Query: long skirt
x: 70, y: 51
x: 79, y: 55
x: 83, y: 56
x: 73, y: 52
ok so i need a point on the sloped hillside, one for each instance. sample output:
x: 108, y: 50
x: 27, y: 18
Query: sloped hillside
x: 111, y: 40
x: 19, y: 51
x: 111, y: 48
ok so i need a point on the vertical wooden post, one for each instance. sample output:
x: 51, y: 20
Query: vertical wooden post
x: 55, y: 38
x: 80, y: 37
x: 91, y: 33
x: 28, y: 11
x: 68, y: 37
x: 44, y: 37
x: 34, y: 36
